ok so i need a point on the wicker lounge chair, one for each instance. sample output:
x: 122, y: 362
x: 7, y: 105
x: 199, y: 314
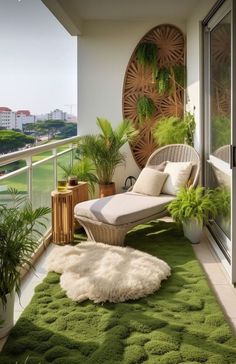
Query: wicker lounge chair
x: 108, y: 219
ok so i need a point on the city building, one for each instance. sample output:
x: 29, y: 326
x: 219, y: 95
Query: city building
x: 7, y: 118
x: 57, y: 115
x: 23, y: 117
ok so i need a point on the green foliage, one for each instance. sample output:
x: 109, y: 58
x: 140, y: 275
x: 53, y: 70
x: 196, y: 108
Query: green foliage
x: 170, y: 130
x: 179, y: 72
x: 163, y: 81
x: 145, y: 108
x: 221, y: 129
x: 67, y: 131
x: 92, y: 333
x: 146, y: 55
x: 83, y: 169
x: 222, y: 198
x: 173, y: 130
x: 11, y: 141
x: 168, y: 78
x: 104, y: 149
x: 19, y: 234
x: 190, y: 127
x: 193, y: 203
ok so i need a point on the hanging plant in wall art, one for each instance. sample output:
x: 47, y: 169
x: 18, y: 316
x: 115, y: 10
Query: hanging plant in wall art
x: 146, y: 54
x: 154, y: 85
x: 145, y: 108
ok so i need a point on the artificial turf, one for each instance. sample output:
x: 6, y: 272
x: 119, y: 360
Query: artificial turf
x: 181, y: 323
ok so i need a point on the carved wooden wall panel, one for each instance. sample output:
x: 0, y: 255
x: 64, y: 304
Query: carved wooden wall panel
x: 139, y: 82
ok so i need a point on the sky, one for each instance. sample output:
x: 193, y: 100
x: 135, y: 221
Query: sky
x: 38, y: 59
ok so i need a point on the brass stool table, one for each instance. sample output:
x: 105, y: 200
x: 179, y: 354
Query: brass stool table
x: 62, y: 217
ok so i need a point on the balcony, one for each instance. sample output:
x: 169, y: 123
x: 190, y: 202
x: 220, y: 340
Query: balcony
x: 191, y: 318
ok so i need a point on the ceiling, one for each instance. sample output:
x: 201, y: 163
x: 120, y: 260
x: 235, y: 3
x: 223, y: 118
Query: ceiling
x: 76, y: 11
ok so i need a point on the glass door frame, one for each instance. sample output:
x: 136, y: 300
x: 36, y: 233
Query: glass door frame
x: 220, y: 12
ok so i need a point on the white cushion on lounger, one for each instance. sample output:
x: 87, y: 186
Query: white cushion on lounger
x: 123, y: 208
x: 150, y: 182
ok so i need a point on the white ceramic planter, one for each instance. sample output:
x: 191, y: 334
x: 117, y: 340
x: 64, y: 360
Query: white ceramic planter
x: 7, y: 315
x: 193, y: 230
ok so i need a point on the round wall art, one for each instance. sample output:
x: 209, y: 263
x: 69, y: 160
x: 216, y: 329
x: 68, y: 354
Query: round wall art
x: 154, y: 85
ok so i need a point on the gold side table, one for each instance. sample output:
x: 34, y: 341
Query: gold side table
x: 62, y: 217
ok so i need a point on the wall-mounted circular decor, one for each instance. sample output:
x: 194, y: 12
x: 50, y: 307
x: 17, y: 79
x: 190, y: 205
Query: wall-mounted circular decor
x: 154, y: 85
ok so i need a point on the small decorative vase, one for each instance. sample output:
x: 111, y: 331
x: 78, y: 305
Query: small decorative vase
x: 7, y: 315
x: 193, y: 230
x: 107, y: 190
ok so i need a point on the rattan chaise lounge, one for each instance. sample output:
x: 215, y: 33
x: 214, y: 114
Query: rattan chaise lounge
x: 108, y: 219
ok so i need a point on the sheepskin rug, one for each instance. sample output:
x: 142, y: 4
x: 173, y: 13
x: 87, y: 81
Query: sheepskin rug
x: 102, y: 272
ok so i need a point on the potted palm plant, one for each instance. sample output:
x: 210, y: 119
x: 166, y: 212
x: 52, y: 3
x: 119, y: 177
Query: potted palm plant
x: 83, y: 169
x: 104, y: 151
x: 19, y: 235
x: 192, y: 208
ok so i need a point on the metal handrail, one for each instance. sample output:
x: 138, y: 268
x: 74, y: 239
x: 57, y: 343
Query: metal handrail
x: 25, y: 153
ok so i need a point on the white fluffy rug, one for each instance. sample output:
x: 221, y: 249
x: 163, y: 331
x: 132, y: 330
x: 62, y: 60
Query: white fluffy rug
x: 102, y: 272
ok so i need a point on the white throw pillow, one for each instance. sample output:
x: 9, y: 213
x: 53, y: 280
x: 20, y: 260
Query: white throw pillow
x: 179, y: 173
x: 150, y: 182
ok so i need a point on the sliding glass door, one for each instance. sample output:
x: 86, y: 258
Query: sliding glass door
x: 219, y: 163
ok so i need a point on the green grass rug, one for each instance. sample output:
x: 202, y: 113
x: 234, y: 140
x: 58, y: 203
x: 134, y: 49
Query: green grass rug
x: 181, y: 323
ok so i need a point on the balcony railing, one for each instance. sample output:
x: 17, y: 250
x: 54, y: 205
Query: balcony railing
x: 34, y: 172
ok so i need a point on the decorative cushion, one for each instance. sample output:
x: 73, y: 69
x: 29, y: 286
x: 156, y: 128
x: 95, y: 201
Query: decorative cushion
x: 158, y: 167
x: 123, y: 208
x: 150, y: 182
x: 179, y: 173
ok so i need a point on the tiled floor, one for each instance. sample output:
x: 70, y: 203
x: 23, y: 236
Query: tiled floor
x: 217, y: 276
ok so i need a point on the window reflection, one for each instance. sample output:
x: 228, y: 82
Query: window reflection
x: 221, y: 89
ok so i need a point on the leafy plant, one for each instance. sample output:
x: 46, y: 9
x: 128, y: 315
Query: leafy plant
x: 168, y: 78
x: 104, y: 149
x: 145, y: 108
x: 190, y: 127
x: 220, y: 130
x: 19, y: 235
x: 173, y: 130
x: 170, y: 130
x: 146, y: 55
x: 179, y: 72
x: 222, y: 200
x: 83, y: 169
x: 193, y: 203
x: 163, y: 81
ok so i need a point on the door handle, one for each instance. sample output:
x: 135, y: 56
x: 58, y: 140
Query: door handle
x: 232, y: 156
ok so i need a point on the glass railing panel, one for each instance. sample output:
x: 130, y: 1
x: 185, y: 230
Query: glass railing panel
x: 19, y: 182
x: 11, y: 167
x: 41, y: 156
x: 42, y: 186
x: 63, y: 164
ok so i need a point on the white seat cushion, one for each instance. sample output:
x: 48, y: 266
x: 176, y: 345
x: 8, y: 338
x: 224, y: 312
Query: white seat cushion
x: 150, y: 182
x: 123, y: 208
x: 179, y: 173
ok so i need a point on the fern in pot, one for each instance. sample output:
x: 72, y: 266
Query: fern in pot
x: 192, y: 208
x: 19, y: 236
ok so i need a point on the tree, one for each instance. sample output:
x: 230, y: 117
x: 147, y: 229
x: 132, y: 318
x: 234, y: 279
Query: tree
x: 69, y: 130
x: 11, y: 141
x: 52, y: 127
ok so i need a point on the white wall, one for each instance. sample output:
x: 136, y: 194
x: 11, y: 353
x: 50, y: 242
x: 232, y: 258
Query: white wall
x: 104, y: 51
x: 194, y: 66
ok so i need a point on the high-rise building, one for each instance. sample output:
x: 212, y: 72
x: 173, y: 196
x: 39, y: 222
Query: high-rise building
x: 57, y: 115
x: 24, y: 117
x: 7, y: 118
